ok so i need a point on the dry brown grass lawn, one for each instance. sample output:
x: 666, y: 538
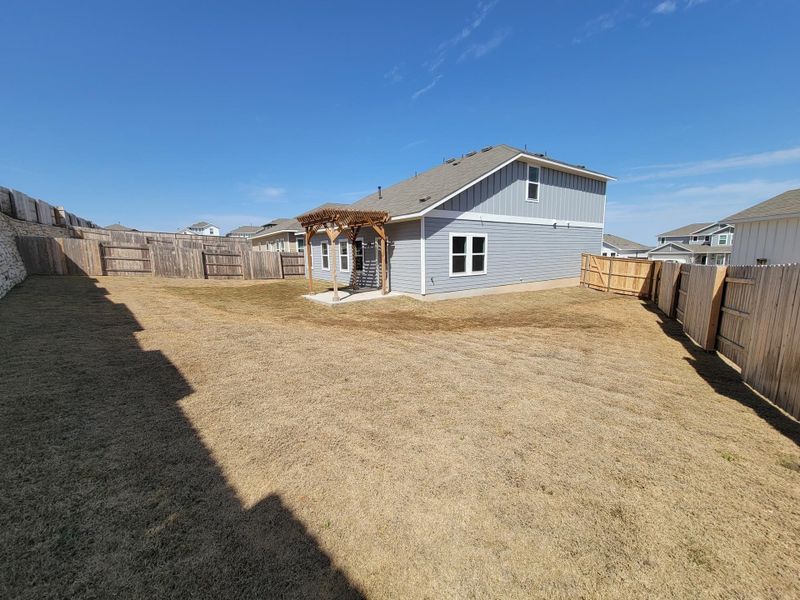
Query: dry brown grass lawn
x: 231, y: 440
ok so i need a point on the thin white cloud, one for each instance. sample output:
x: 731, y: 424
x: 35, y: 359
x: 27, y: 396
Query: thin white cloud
x: 483, y: 48
x: 413, y: 144
x: 394, y: 75
x: 665, y: 8
x: 628, y: 10
x: 426, y: 89
x: 706, y: 167
x: 264, y: 193
x: 481, y: 12
x: 602, y: 23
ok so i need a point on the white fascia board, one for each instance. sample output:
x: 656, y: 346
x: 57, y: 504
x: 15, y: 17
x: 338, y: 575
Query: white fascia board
x: 527, y: 157
x: 478, y: 216
x: 271, y: 233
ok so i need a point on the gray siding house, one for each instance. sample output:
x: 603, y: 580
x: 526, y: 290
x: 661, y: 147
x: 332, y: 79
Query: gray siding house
x: 494, y: 217
x: 769, y: 232
x: 697, y: 243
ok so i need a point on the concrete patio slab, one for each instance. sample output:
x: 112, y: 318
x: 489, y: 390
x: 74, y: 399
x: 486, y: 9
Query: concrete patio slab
x: 348, y: 296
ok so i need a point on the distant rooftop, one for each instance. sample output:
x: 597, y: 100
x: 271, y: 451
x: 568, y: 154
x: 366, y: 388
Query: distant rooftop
x: 623, y: 244
x: 245, y: 229
x: 119, y: 227
x: 685, y: 230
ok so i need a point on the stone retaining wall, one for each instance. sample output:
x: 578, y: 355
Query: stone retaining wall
x: 12, y: 270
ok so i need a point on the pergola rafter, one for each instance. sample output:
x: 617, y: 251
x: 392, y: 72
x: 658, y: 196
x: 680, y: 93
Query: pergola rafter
x: 335, y: 221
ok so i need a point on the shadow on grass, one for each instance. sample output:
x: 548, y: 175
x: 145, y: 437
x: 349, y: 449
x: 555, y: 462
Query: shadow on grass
x: 726, y: 380
x: 108, y: 490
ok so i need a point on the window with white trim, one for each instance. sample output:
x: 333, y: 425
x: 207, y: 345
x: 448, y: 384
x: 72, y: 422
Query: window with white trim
x: 326, y: 264
x: 533, y: 183
x: 344, y: 257
x: 301, y: 244
x: 723, y: 239
x: 467, y: 254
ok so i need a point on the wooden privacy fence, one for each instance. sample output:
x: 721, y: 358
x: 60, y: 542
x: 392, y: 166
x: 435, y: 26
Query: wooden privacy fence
x: 749, y: 314
x: 293, y: 263
x: 628, y: 276
x: 125, y: 260
x: 69, y: 256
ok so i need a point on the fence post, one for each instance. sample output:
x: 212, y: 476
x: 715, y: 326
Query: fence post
x: 717, y: 288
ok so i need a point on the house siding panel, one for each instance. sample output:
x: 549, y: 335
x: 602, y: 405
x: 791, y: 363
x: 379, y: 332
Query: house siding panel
x: 777, y: 240
x: 562, y: 196
x: 404, y: 256
x: 517, y: 252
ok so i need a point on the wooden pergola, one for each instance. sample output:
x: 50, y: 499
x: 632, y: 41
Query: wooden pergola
x: 335, y: 221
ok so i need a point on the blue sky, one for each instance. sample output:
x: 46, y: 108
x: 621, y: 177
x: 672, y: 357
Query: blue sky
x: 158, y: 114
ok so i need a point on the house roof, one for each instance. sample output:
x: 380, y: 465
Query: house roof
x: 245, y: 229
x: 706, y: 249
x: 279, y: 226
x: 119, y: 227
x: 622, y: 244
x: 201, y: 225
x: 424, y: 190
x: 685, y: 230
x: 786, y: 204
x: 693, y: 248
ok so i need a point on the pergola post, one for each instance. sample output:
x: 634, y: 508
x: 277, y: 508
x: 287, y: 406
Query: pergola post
x: 309, y: 262
x: 333, y: 255
x: 378, y: 227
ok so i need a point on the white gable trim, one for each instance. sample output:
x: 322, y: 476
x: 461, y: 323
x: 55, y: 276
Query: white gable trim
x: 677, y: 248
x: 477, y: 216
x: 527, y: 157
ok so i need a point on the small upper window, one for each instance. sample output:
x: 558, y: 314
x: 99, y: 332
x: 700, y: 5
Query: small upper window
x: 533, y: 183
x: 723, y: 239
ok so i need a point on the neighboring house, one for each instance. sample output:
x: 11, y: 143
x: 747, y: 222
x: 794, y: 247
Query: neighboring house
x: 245, y: 231
x: 280, y: 235
x: 119, y: 227
x: 697, y: 243
x: 200, y: 228
x: 494, y: 217
x: 613, y: 245
x: 769, y: 232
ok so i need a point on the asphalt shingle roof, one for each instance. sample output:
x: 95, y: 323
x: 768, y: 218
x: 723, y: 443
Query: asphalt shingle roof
x: 245, y: 229
x: 685, y: 230
x: 622, y: 243
x: 782, y: 205
x: 199, y: 225
x: 279, y: 225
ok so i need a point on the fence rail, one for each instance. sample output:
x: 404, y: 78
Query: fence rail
x: 749, y: 314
